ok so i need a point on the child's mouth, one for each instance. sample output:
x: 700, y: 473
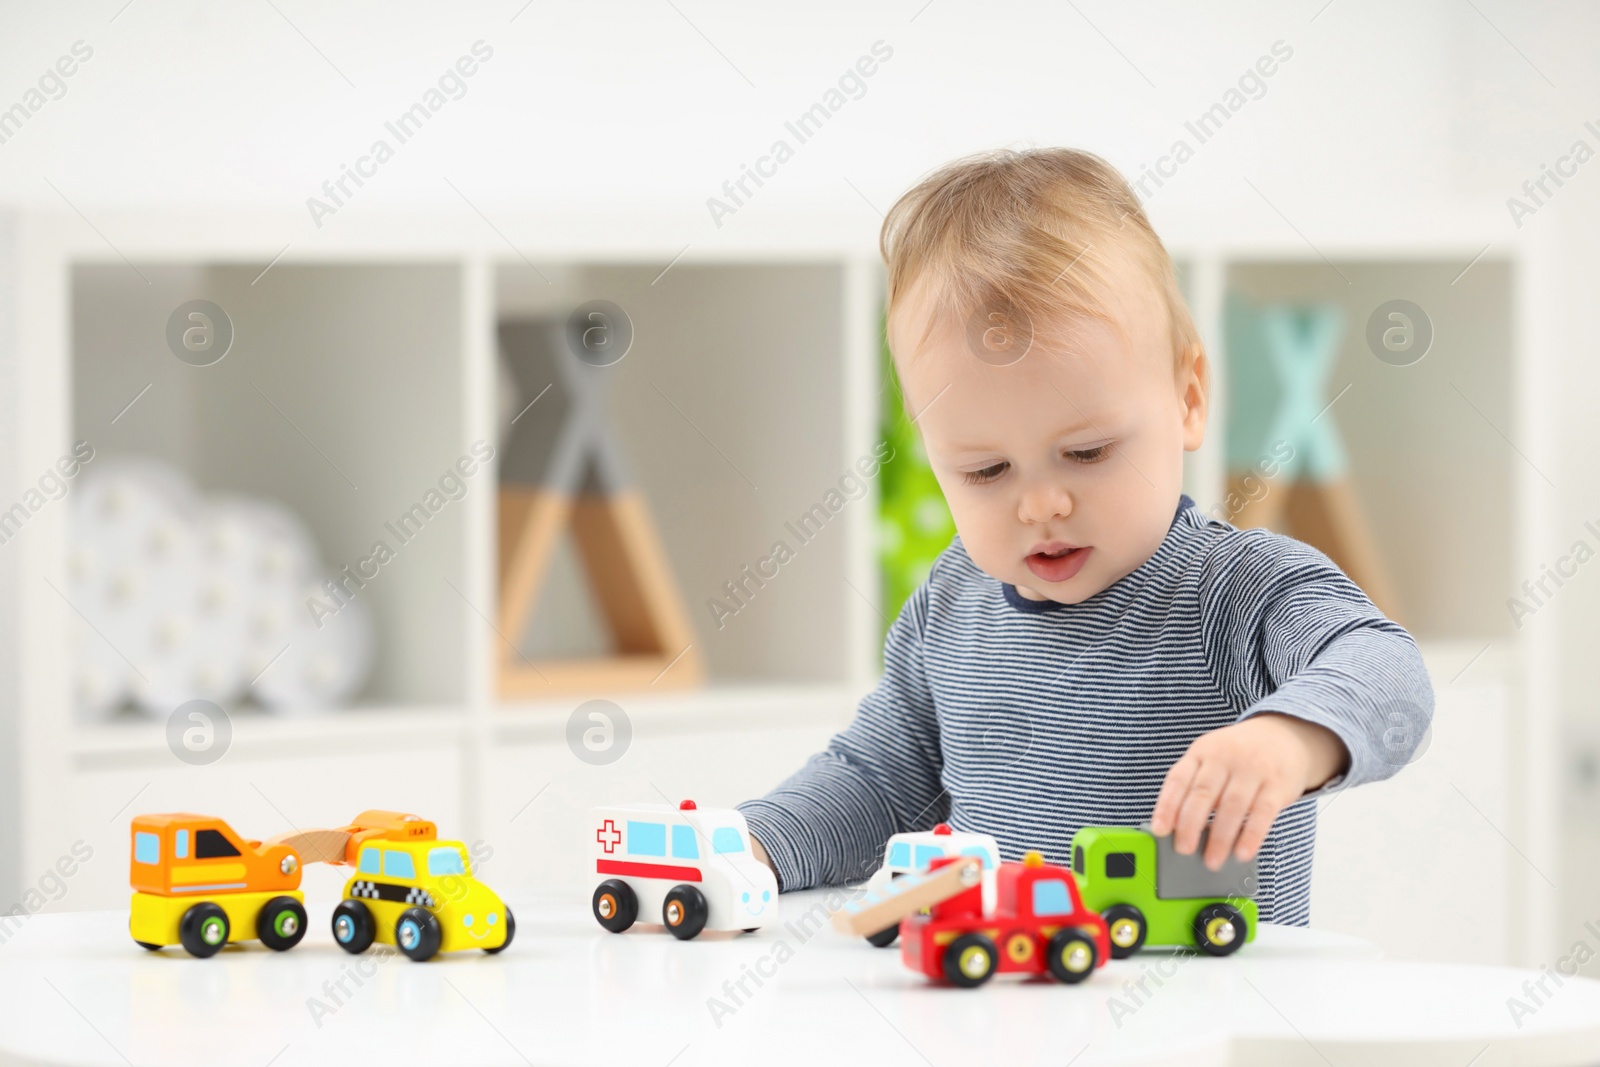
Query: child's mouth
x: 1057, y: 561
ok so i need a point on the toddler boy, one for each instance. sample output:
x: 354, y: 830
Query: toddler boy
x: 1090, y: 649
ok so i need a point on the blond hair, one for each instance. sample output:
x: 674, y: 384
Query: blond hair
x: 1030, y: 233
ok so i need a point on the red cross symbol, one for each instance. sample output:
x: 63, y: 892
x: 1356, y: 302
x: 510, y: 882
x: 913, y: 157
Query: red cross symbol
x: 608, y: 836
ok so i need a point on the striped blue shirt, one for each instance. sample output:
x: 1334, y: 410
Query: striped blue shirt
x: 1030, y: 719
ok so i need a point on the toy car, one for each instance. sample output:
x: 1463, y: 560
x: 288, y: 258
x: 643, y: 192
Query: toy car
x: 909, y: 853
x: 692, y: 866
x: 1038, y: 923
x: 1149, y: 894
x: 198, y: 884
x: 413, y: 891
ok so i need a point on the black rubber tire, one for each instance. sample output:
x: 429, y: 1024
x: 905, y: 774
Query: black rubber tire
x: 1122, y: 913
x: 616, y: 897
x: 204, y: 929
x: 148, y: 945
x: 419, y: 927
x: 511, y: 931
x: 885, y: 937
x: 950, y: 962
x: 353, y: 928
x: 1062, y: 950
x: 1212, y: 946
x: 684, y: 912
x: 281, y: 923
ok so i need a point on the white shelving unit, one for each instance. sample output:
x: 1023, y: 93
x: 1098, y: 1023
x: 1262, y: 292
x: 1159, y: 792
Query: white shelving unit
x: 752, y: 387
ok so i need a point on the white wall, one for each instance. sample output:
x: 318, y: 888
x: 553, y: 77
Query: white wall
x: 595, y: 106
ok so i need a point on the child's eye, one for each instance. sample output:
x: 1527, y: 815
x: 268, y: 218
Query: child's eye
x: 1090, y: 455
x: 987, y: 474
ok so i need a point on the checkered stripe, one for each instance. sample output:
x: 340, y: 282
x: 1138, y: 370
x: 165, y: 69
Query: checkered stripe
x: 410, y: 895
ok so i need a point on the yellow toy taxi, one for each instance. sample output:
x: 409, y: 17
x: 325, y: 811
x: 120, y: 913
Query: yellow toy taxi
x: 415, y: 892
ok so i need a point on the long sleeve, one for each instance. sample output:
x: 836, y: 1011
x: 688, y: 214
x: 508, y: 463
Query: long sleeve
x: 826, y: 824
x: 1288, y: 632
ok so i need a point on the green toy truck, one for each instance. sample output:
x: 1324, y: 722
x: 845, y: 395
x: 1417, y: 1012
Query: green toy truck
x: 1149, y: 894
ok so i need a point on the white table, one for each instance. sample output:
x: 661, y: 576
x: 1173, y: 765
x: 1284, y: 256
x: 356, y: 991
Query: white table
x: 74, y: 989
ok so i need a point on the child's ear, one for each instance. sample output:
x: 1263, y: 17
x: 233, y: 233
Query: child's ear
x: 1194, y: 381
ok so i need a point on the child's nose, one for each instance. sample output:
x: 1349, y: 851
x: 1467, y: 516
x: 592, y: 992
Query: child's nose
x: 1043, y: 501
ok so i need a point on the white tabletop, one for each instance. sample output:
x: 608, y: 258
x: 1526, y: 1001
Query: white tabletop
x: 75, y: 990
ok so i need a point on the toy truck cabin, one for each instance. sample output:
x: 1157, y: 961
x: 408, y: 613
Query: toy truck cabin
x: 909, y: 853
x: 1149, y: 894
x: 198, y: 884
x: 1037, y: 925
x: 691, y: 866
x: 413, y: 891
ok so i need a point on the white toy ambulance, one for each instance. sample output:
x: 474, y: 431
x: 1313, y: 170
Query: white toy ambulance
x: 912, y: 853
x: 693, y: 867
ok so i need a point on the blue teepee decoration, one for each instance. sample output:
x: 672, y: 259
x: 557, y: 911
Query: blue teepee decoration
x: 1287, y: 466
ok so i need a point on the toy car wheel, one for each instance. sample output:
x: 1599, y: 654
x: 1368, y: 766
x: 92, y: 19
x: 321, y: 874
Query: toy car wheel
x: 281, y: 923
x: 203, y: 930
x: 885, y: 937
x: 970, y: 960
x: 148, y: 945
x: 615, y: 906
x: 1072, y: 955
x: 1125, y: 923
x: 353, y: 927
x: 511, y: 931
x: 684, y: 912
x: 1220, y: 929
x: 417, y: 933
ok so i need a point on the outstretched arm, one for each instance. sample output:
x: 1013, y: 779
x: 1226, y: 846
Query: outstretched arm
x: 1333, y: 694
x: 826, y: 823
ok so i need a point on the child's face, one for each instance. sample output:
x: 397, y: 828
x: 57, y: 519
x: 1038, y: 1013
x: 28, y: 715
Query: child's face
x: 1062, y: 470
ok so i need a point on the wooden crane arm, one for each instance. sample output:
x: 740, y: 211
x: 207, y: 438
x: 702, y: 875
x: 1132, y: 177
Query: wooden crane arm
x: 316, y: 846
x: 907, y: 895
x: 342, y: 845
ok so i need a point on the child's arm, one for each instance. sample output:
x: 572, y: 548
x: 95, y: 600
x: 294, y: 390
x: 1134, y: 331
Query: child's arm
x: 826, y: 824
x: 1334, y: 694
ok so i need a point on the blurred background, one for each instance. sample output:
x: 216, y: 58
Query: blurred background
x: 483, y: 412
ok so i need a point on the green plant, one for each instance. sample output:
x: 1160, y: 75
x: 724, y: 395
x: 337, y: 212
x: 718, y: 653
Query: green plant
x: 914, y: 525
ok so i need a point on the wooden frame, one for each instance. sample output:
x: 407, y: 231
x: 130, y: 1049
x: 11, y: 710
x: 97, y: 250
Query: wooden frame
x: 568, y: 473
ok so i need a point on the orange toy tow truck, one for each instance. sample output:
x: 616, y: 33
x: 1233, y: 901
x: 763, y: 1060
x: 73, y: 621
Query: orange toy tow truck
x: 1037, y: 923
x: 198, y: 884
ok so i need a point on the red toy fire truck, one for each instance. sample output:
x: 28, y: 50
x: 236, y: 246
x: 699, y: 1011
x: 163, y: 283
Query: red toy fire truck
x: 1038, y: 924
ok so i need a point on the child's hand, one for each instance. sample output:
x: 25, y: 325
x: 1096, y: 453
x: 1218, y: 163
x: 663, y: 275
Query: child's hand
x: 1246, y: 773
